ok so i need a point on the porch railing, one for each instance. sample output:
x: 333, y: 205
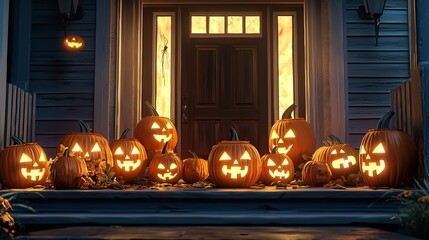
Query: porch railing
x: 400, y: 103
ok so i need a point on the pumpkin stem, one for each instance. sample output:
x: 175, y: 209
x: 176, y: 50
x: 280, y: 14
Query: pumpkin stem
x: 164, y: 149
x: 194, y: 155
x: 16, y: 140
x: 234, y: 135
x: 385, y: 120
x: 334, y: 139
x: 287, y: 114
x: 84, y: 127
x: 275, y: 150
x: 153, y: 111
x: 124, y: 134
x: 66, y: 152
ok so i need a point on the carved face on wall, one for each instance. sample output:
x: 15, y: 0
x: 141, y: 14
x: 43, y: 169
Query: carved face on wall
x: 374, y: 160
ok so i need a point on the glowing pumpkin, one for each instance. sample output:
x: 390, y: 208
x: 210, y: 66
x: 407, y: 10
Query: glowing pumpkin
x: 23, y: 165
x: 129, y: 156
x: 67, y: 171
x: 316, y: 174
x: 165, y: 167
x: 292, y: 136
x: 195, y: 169
x: 387, y: 157
x: 341, y: 158
x: 154, y: 131
x: 234, y: 163
x: 87, y: 144
x: 73, y: 42
x: 276, y: 167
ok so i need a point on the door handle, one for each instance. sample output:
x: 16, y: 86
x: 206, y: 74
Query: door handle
x: 185, y: 108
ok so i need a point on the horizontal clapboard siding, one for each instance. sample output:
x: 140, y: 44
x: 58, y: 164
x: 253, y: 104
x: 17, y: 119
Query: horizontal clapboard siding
x: 63, y: 80
x: 372, y: 71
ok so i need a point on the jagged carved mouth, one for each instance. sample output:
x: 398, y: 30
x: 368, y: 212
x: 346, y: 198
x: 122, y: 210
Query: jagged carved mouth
x: 345, y: 162
x: 234, y: 171
x: 279, y: 174
x: 33, y: 174
x: 372, y: 167
x: 128, y: 165
x: 284, y: 150
x: 163, y: 137
x: 167, y: 175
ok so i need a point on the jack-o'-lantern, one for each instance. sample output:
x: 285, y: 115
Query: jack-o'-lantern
x: 387, y: 157
x: 67, y: 171
x: 316, y: 174
x: 341, y: 158
x: 73, y: 42
x: 276, y: 167
x: 234, y: 163
x: 23, y: 165
x: 129, y: 156
x: 195, y: 169
x: 87, y: 144
x: 165, y: 167
x: 154, y: 131
x: 292, y: 136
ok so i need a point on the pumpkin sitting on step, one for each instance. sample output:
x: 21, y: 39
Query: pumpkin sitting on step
x: 276, y: 167
x: 165, y: 167
x: 23, y: 165
x: 67, y: 171
x: 316, y: 174
x: 195, y: 169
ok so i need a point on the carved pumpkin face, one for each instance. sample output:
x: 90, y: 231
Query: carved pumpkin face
x: 153, y: 132
x: 234, y: 163
x: 165, y: 168
x: 23, y: 166
x: 130, y: 158
x: 73, y: 42
x: 375, y: 165
x: 277, y: 167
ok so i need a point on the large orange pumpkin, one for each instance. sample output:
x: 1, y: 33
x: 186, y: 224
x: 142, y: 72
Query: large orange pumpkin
x: 387, y: 157
x: 154, y: 131
x: 195, y: 169
x: 293, y: 136
x: 23, y: 165
x: 234, y: 163
x: 87, y: 144
x: 341, y: 158
x: 316, y: 174
x: 129, y: 156
x: 165, y: 167
x: 277, y: 167
x: 67, y: 171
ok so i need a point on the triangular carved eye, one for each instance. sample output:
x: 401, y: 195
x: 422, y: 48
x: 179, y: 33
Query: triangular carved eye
x: 135, y: 151
x: 271, y: 163
x: 155, y: 126
x: 362, y: 150
x: 290, y: 134
x: 224, y: 156
x: 25, y: 158
x: 119, y: 151
x: 169, y: 126
x: 379, y: 149
x: 342, y: 151
x: 96, y: 148
x: 334, y: 152
x: 274, y: 135
x: 77, y: 148
x: 173, y: 166
x: 285, y: 162
x: 245, y: 156
x: 42, y: 158
x: 161, y: 166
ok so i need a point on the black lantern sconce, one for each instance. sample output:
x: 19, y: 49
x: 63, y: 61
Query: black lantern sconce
x: 372, y: 9
x: 71, y: 10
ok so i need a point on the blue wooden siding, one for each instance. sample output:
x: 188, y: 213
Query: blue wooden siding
x: 63, y: 80
x: 372, y: 71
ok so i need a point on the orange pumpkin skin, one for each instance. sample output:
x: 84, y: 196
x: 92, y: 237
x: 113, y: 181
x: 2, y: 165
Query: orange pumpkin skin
x: 277, y: 167
x: 130, y: 158
x: 316, y: 174
x: 153, y: 139
x: 341, y: 158
x: 165, y: 167
x: 293, y: 136
x: 13, y: 167
x: 66, y: 172
x: 73, y: 42
x: 195, y: 169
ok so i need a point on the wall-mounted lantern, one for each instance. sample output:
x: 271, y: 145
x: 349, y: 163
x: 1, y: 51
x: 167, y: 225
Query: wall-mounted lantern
x: 70, y: 10
x: 372, y: 9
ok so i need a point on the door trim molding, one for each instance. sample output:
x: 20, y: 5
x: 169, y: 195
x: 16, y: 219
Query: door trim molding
x: 4, y: 23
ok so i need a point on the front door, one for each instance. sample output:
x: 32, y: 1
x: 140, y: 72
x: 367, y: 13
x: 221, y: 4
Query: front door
x: 224, y: 85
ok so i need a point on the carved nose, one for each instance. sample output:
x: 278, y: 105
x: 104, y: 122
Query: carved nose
x: 280, y: 141
x: 35, y: 164
x: 236, y: 162
x: 367, y: 157
x: 86, y: 154
x: 163, y: 129
x: 127, y: 157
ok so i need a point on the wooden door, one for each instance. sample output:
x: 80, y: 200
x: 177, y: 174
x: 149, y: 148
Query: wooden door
x: 224, y: 84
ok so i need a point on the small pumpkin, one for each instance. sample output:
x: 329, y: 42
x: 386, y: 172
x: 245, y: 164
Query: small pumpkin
x: 234, y: 163
x: 387, y: 157
x: 341, y: 158
x: 73, y: 42
x: 276, y: 167
x: 154, y: 131
x: 129, y: 156
x: 87, y: 144
x: 165, y: 167
x: 23, y: 165
x: 316, y: 174
x: 67, y: 171
x: 195, y: 169
x: 293, y: 136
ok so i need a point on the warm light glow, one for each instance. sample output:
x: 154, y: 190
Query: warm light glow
x: 135, y: 151
x: 77, y: 148
x: 235, y: 24
x: 163, y: 65
x: 224, y: 156
x: 96, y: 148
x: 155, y: 126
x: 73, y: 42
x: 119, y: 151
x: 351, y: 160
x: 379, y: 149
x: 217, y: 24
x: 284, y: 150
x: 198, y: 24
x: 245, y: 156
x: 274, y: 135
x: 253, y: 24
x: 161, y: 166
x: 279, y: 174
x: 362, y: 150
x: 285, y: 62
x: 285, y: 162
x: 290, y: 134
x: 128, y: 165
x: 234, y: 171
x: 25, y: 158
x: 371, y: 167
x: 271, y: 163
x: 33, y: 174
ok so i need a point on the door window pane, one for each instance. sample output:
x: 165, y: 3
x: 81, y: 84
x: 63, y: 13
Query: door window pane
x: 217, y: 24
x: 235, y: 24
x: 253, y: 24
x: 163, y: 65
x: 199, y: 24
